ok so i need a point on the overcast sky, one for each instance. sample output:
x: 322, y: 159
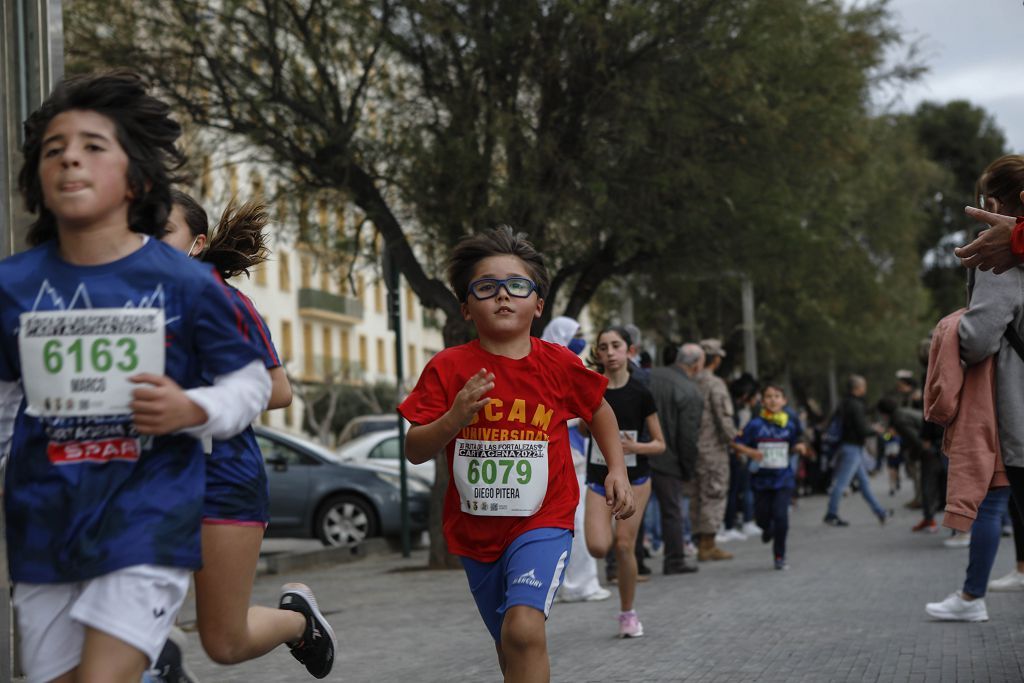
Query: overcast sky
x: 975, y: 51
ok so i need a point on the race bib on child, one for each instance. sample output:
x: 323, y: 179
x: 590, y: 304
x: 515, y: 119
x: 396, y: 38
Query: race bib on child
x: 892, y: 448
x: 501, y: 478
x: 77, y: 363
x: 597, y: 457
x: 776, y: 454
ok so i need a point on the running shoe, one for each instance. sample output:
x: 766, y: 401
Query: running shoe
x: 835, y: 520
x: 958, y: 541
x: 955, y: 608
x: 751, y: 529
x: 781, y: 564
x: 1014, y: 581
x: 630, y: 626
x: 316, y: 649
x: 170, y: 665
x: 926, y: 525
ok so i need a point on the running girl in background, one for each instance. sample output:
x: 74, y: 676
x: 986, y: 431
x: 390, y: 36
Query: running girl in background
x: 109, y: 333
x: 635, y: 411
x: 236, y: 505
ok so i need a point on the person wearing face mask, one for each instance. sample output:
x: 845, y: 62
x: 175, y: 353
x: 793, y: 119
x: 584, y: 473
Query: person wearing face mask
x: 580, y: 583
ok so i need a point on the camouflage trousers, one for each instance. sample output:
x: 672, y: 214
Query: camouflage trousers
x: 712, y: 488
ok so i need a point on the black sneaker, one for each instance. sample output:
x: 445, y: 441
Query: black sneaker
x: 316, y: 649
x: 834, y: 520
x: 170, y: 665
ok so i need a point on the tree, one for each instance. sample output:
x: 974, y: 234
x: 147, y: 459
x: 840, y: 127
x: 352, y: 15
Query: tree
x: 614, y: 133
x: 962, y: 139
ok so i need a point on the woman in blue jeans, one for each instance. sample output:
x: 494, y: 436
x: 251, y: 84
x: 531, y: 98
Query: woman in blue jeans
x: 969, y: 603
x: 849, y: 464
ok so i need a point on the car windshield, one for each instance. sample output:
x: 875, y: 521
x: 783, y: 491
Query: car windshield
x: 362, y: 444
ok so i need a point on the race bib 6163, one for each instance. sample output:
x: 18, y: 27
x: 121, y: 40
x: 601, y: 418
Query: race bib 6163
x: 77, y: 363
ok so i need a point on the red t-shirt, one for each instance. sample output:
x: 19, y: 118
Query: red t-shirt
x: 532, y: 399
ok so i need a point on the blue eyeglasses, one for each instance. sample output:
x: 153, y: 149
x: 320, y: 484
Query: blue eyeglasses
x: 487, y: 288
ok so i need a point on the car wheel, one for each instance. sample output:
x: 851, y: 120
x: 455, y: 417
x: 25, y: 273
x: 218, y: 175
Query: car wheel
x: 345, y: 520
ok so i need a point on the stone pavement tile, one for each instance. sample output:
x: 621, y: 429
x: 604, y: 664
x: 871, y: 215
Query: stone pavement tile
x: 851, y: 608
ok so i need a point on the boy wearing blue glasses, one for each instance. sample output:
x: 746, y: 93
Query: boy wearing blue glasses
x: 498, y: 406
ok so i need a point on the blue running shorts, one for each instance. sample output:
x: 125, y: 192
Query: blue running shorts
x: 599, y: 488
x: 529, y: 573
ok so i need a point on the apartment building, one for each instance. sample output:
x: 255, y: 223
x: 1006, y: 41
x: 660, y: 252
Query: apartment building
x: 327, y: 312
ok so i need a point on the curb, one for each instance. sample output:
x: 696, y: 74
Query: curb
x: 282, y: 563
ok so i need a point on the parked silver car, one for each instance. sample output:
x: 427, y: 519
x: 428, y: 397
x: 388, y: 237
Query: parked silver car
x: 315, y: 495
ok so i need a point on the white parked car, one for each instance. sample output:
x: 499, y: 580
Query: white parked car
x: 381, y: 448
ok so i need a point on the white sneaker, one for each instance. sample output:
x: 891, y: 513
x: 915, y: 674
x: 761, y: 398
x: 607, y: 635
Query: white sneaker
x: 736, y: 535
x: 958, y: 541
x: 1014, y: 581
x: 690, y: 550
x: 955, y: 608
x: 600, y: 594
x: 751, y: 529
x: 727, y: 535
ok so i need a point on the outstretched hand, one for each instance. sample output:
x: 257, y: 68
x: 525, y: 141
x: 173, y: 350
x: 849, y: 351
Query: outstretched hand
x: 991, y: 250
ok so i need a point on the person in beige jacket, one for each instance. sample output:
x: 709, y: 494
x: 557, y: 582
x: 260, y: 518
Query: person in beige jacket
x: 717, y: 431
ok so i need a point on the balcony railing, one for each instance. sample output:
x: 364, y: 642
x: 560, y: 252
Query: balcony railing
x: 318, y: 303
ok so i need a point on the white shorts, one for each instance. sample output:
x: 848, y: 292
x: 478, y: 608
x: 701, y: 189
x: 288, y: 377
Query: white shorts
x: 137, y: 605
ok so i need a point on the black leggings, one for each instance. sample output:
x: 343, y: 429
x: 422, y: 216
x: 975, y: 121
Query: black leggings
x: 1016, y: 477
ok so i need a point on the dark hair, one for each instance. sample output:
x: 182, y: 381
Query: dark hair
x: 771, y: 385
x: 886, y: 406
x: 743, y: 387
x: 145, y: 132
x: 619, y: 330
x: 1003, y: 180
x: 238, y: 242
x: 669, y: 354
x: 501, y: 241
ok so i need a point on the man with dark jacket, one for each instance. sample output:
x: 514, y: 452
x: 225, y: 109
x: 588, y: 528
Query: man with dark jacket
x: 680, y: 404
x: 850, y: 455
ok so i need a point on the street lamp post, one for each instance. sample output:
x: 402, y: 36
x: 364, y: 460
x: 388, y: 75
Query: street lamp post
x: 394, y: 279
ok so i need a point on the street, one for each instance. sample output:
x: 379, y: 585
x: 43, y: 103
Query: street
x: 850, y: 608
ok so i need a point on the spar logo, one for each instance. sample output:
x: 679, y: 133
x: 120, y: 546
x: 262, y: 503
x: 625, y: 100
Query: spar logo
x: 529, y: 579
x: 103, y: 451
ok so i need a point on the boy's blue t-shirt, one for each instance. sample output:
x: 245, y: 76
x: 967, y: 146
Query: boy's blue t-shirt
x: 758, y: 433
x: 72, y: 520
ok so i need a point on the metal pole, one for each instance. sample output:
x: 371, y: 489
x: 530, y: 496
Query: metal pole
x: 394, y: 280
x: 31, y: 63
x: 749, y: 338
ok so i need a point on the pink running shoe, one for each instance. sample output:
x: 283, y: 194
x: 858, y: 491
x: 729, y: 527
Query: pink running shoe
x: 630, y: 626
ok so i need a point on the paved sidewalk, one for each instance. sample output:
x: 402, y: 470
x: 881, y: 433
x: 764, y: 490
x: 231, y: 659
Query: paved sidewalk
x: 851, y: 608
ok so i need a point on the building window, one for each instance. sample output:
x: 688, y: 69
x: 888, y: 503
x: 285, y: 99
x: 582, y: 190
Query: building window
x: 265, y: 418
x: 345, y: 357
x: 289, y: 415
x: 325, y: 279
x: 328, y: 344
x: 360, y: 287
x: 378, y: 296
x: 256, y: 180
x: 286, y: 341
x: 410, y: 299
x: 308, y: 365
x: 364, y: 361
x: 413, y: 363
x: 284, y: 275
x: 382, y: 359
x: 305, y: 271
x: 232, y: 182
x: 206, y: 186
x: 260, y: 274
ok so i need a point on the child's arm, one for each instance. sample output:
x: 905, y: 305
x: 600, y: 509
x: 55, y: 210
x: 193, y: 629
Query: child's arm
x: 280, y: 389
x: 10, y: 400
x: 215, y: 412
x: 747, y: 451
x: 618, y: 492
x: 656, y: 446
x: 424, y: 441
